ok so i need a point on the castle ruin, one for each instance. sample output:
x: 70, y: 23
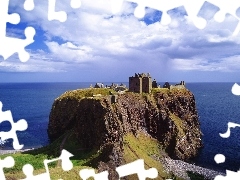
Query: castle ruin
x: 181, y: 85
x: 140, y: 83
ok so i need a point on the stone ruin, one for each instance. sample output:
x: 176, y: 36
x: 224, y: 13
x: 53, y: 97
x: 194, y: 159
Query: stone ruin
x: 180, y: 85
x: 142, y: 83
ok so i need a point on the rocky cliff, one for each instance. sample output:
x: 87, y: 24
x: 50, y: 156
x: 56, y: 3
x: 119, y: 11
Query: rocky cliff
x: 170, y: 116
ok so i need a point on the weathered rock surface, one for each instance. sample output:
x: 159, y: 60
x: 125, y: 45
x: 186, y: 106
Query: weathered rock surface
x: 168, y: 115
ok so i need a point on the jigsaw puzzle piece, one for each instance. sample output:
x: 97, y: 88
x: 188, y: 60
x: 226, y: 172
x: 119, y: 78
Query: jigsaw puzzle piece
x: 20, y: 125
x: 226, y: 7
x: 87, y: 173
x: 8, y: 45
x: 7, y: 162
x: 159, y: 5
x: 192, y: 9
x: 137, y: 167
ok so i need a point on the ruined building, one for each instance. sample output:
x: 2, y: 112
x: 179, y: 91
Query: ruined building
x: 180, y: 85
x: 140, y: 83
x: 154, y: 84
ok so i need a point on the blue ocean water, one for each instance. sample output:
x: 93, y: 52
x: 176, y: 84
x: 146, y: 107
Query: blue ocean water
x: 216, y: 107
x: 32, y: 102
x: 215, y: 103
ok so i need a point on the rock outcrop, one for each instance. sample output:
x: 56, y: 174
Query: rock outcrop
x: 170, y: 116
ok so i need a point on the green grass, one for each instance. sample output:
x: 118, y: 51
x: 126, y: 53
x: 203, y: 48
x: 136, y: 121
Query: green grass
x: 88, y: 92
x: 82, y: 158
x: 140, y: 147
x: 144, y: 147
x: 179, y: 123
x: 172, y: 91
x: 161, y: 90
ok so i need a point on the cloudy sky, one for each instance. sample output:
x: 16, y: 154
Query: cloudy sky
x: 95, y: 45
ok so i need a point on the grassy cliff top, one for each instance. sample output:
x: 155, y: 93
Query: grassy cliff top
x: 87, y: 92
x: 99, y: 92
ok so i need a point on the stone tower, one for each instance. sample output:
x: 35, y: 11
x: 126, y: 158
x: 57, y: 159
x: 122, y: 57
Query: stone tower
x: 140, y: 83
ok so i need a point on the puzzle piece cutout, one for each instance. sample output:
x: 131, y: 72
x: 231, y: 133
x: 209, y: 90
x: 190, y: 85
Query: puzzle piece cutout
x: 192, y: 8
x: 230, y: 175
x: 227, y: 133
x: 87, y: 173
x: 136, y: 167
x: 60, y: 15
x: 227, y: 7
x: 29, y: 5
x: 139, y: 12
x: 236, y: 89
x: 20, y: 125
x: 219, y: 158
x: 9, y: 45
x: 65, y: 163
x: 7, y: 162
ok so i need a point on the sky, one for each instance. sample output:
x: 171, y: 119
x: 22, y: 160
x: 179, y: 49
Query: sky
x: 95, y: 45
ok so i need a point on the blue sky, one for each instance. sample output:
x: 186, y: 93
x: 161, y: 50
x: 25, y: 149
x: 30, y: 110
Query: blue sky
x: 94, y: 45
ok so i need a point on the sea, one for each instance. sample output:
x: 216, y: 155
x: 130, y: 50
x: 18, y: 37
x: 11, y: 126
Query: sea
x: 215, y: 103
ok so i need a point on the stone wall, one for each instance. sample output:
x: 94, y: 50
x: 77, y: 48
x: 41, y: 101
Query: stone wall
x: 147, y: 84
x: 135, y: 84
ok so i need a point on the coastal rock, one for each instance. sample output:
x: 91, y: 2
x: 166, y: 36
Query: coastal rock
x: 170, y: 116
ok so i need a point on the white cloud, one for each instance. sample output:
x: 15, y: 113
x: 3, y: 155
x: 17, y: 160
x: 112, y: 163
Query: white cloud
x: 92, y: 37
x: 70, y: 52
x: 39, y: 62
x: 229, y: 64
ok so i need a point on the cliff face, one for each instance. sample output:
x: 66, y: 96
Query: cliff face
x: 170, y: 116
